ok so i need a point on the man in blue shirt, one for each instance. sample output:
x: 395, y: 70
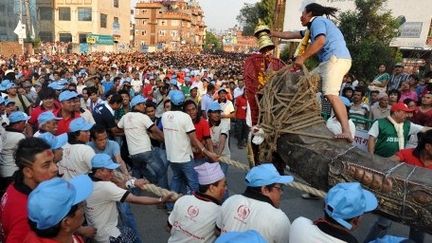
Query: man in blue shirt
x: 328, y: 43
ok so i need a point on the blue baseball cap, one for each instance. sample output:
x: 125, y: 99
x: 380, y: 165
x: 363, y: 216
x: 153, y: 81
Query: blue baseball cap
x: 177, y: 97
x: 139, y: 99
x: 63, y: 82
x: 79, y: 124
x: 103, y: 161
x: 3, y: 84
x: 55, y: 142
x: 249, y: 236
x: 2, y: 100
x: 18, y: 116
x: 67, y: 95
x: 56, y: 86
x: 173, y: 81
x: 265, y: 174
x: 345, y: 101
x: 53, y: 199
x: 46, y: 116
x: 389, y: 239
x: 214, y: 106
x: 348, y: 200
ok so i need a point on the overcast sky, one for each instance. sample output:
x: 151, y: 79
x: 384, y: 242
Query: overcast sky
x: 219, y: 14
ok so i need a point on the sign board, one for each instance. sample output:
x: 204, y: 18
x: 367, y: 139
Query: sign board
x: 100, y: 39
x: 84, y: 48
x: 410, y: 30
x: 361, y: 139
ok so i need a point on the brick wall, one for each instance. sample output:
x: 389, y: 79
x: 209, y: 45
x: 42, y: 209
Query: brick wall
x: 9, y: 48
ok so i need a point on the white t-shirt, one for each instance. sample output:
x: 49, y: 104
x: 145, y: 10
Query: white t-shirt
x: 76, y: 160
x: 414, y: 129
x: 135, y: 125
x: 216, y: 132
x: 136, y: 85
x: 88, y: 117
x: 238, y: 91
x: 240, y: 213
x: 335, y: 127
x: 303, y: 230
x: 193, y: 220
x: 10, y: 143
x: 101, y: 209
x: 176, y: 127
x: 227, y: 108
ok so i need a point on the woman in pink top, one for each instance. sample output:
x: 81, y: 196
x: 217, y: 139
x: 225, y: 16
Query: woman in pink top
x: 406, y: 92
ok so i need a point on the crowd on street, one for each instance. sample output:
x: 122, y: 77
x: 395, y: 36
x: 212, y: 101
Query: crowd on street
x: 80, y: 134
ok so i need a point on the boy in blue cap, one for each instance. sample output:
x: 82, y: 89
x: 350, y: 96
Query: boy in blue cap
x: 345, y: 203
x: 258, y: 207
x: 101, y: 211
x: 56, y: 209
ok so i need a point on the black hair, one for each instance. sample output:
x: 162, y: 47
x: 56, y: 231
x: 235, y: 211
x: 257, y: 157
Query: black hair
x: 331, y: 220
x: 189, y: 102
x: 166, y: 101
x: 408, y: 100
x: 361, y: 90
x: 204, y: 188
x: 415, y: 77
x: 27, y: 150
x: 210, y: 87
x: 47, y: 93
x: 395, y: 91
x: 423, y: 139
x: 52, y: 231
x: 97, y: 129
x: 73, y: 137
x: 91, y: 90
x: 375, y: 91
x: 258, y: 189
x: 124, y: 91
x: 116, y: 99
x: 175, y: 107
x: 116, y: 78
x: 150, y: 103
x: 319, y: 10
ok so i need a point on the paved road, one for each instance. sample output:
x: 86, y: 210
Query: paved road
x: 152, y: 221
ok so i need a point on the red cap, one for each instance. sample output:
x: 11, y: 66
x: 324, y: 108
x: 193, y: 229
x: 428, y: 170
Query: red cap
x: 400, y: 107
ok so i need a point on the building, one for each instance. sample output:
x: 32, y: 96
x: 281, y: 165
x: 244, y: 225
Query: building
x: 106, y: 21
x: 13, y: 10
x: 234, y: 41
x: 168, y: 25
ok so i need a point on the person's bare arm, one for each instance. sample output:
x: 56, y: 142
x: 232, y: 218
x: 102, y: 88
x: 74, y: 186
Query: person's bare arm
x: 123, y: 166
x: 157, y: 133
x: 144, y: 200
x: 230, y: 115
x: 195, y: 142
x: 287, y: 34
x: 222, y: 141
x: 117, y: 131
x: 209, y: 144
x: 371, y: 144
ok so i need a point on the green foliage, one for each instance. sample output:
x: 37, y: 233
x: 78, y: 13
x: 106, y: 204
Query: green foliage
x: 212, y: 42
x: 250, y: 13
x: 368, y: 31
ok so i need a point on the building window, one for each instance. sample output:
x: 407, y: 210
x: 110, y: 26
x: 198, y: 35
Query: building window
x: 46, y: 36
x: 84, y: 14
x: 46, y: 13
x: 116, y: 3
x: 143, y: 32
x: 174, y: 33
x: 144, y: 21
x: 82, y: 38
x: 65, y: 14
x: 103, y: 20
x: 65, y: 37
x: 162, y: 32
x: 144, y: 11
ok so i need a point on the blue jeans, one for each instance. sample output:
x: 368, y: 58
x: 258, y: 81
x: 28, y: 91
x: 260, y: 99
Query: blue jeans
x: 143, y: 164
x: 127, y: 219
x: 161, y: 169
x: 183, y: 175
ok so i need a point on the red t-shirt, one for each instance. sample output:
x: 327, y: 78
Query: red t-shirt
x: 37, y: 111
x: 13, y: 216
x: 147, y: 91
x: 240, y: 107
x: 32, y: 237
x: 63, y: 124
x: 406, y: 155
x: 202, y: 132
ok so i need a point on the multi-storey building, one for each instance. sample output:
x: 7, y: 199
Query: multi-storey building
x: 168, y: 25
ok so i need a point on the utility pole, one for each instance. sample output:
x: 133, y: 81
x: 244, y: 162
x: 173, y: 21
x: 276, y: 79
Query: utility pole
x: 278, y: 21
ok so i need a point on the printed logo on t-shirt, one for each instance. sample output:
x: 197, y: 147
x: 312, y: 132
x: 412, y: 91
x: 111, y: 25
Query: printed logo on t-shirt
x: 193, y: 211
x: 242, y: 213
x: 170, y: 117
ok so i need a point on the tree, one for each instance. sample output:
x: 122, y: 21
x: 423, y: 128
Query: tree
x: 250, y: 13
x: 368, y: 31
x: 212, y: 42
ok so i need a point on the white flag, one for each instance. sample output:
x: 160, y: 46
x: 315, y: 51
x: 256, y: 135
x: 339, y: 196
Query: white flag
x: 20, y: 30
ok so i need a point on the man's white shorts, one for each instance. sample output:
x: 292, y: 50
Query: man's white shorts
x: 332, y: 73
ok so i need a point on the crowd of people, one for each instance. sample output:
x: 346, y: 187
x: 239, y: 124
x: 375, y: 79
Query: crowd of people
x: 81, y: 134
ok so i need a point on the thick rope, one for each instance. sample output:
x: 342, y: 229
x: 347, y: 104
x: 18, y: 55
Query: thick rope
x: 284, y: 110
